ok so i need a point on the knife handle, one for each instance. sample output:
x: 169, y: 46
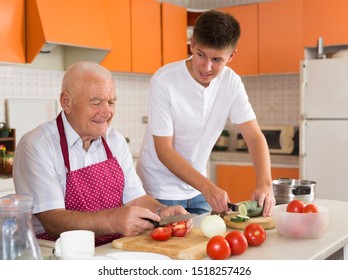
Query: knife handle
x: 155, y: 223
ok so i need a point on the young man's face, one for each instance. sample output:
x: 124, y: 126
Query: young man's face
x: 207, y: 63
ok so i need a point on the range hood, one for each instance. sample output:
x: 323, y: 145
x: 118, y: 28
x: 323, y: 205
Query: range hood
x: 77, y: 26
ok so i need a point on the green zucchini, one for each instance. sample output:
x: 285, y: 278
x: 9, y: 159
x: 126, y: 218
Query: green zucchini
x: 250, y: 208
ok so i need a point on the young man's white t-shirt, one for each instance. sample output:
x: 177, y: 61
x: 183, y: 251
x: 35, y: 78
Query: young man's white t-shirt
x: 195, y: 116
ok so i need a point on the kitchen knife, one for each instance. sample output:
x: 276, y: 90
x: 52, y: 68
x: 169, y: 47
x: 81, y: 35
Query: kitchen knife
x: 171, y: 219
x: 251, y: 208
x: 233, y: 207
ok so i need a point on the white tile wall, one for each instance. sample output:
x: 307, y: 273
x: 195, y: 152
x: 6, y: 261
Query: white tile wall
x: 275, y: 98
x: 23, y: 82
x: 131, y: 107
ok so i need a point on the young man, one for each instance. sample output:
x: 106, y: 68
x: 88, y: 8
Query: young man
x: 189, y: 104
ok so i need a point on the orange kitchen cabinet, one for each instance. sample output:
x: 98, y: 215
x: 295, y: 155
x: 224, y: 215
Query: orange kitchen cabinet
x: 239, y: 180
x: 245, y: 61
x: 281, y: 36
x: 282, y: 172
x: 79, y: 26
x: 118, y: 17
x: 174, y: 34
x: 146, y: 36
x: 12, y: 31
x: 327, y: 19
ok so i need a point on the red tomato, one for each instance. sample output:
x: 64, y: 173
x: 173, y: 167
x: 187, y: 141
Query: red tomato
x: 255, y: 234
x: 295, y: 206
x: 218, y: 248
x: 238, y: 242
x: 178, y: 229
x: 161, y: 233
x: 310, y: 208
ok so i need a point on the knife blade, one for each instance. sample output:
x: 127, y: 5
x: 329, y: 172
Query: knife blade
x: 233, y: 207
x: 171, y: 219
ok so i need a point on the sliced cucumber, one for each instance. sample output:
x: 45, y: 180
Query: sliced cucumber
x: 240, y: 218
x: 243, y: 210
x: 245, y: 218
x: 249, y: 208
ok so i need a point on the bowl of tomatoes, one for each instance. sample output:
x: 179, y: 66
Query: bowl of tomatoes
x: 300, y: 220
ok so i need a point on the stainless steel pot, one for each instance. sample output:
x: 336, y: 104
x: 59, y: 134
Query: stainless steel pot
x: 286, y: 190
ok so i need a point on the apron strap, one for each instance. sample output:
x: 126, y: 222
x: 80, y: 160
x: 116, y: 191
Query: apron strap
x: 63, y: 142
x: 107, y: 149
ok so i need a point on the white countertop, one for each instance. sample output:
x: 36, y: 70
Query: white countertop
x: 244, y: 158
x: 6, y: 185
x: 277, y: 247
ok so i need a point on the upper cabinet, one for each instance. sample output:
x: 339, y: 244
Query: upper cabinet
x: 327, y: 19
x: 281, y: 36
x: 118, y: 18
x: 245, y: 61
x: 146, y: 36
x: 271, y: 37
x: 140, y: 36
x: 79, y: 26
x: 174, y: 35
x: 12, y: 31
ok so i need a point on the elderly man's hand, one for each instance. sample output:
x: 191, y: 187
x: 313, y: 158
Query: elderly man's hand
x: 176, y: 210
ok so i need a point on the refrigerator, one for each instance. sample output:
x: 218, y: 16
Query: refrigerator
x: 324, y: 126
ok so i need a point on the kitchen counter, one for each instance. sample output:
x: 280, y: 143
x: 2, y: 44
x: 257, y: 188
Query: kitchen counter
x: 6, y: 185
x: 333, y: 243
x: 243, y: 158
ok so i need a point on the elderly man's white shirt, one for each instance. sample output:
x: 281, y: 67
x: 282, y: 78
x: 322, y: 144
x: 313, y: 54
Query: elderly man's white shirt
x: 39, y: 168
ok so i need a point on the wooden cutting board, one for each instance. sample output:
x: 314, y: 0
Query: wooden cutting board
x: 265, y: 222
x: 190, y: 247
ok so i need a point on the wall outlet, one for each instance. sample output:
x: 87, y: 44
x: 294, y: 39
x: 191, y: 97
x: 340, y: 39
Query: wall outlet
x: 144, y: 119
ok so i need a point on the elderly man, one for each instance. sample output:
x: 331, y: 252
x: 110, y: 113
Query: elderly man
x: 79, y: 170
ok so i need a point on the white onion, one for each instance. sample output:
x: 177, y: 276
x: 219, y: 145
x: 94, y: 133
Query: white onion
x: 213, y: 225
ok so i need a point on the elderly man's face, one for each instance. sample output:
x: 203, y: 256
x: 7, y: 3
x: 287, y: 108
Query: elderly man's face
x: 93, y: 108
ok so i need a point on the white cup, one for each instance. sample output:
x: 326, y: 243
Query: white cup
x: 75, y: 244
